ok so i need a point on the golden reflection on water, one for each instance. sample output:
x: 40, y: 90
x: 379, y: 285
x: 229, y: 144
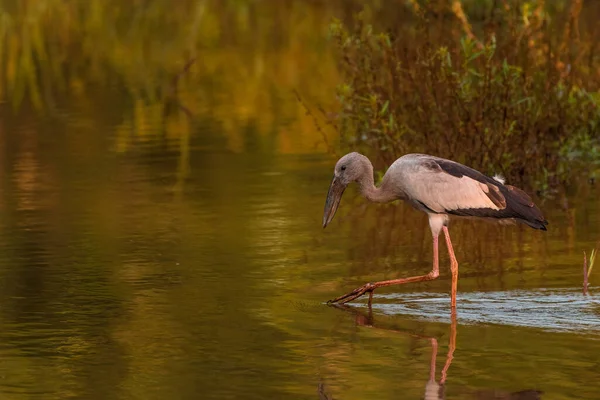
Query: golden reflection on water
x: 31, y: 179
x: 233, y: 268
x: 224, y: 258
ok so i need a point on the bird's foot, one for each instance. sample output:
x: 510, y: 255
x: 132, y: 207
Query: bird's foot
x: 356, y: 293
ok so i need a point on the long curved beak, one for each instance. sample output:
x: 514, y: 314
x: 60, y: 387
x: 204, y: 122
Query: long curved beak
x: 334, y: 195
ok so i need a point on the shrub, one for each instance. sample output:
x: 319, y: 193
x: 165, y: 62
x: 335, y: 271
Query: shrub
x: 522, y: 100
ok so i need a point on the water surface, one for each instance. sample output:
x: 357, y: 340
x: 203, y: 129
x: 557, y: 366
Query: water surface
x: 150, y: 253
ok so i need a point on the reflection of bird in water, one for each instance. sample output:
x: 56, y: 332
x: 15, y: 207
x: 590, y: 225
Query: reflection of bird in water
x: 434, y: 390
x: 439, y: 187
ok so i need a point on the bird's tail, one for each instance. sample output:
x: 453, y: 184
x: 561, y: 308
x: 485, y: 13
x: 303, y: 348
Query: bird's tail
x: 522, y: 205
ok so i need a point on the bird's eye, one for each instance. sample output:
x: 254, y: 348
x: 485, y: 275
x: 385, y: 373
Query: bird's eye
x: 343, y: 168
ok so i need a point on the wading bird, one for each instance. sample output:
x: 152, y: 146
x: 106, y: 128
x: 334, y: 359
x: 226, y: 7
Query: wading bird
x: 439, y: 187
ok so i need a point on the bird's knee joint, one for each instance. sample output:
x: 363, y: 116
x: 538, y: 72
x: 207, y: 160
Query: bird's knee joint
x: 433, y: 274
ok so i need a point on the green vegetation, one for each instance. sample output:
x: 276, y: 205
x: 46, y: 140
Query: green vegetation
x: 587, y: 269
x: 592, y: 259
x: 504, y: 86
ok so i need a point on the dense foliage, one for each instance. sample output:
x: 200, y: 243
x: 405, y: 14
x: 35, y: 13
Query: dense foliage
x: 514, y: 91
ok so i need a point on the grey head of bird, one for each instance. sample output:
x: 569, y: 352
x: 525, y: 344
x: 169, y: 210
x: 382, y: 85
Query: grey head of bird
x: 350, y: 168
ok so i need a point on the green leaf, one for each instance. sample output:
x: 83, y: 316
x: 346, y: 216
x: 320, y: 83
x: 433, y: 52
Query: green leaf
x: 592, y: 259
x: 384, y: 108
x: 474, y: 56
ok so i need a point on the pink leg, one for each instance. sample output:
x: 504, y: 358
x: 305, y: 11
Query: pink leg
x: 370, y: 287
x: 453, y: 267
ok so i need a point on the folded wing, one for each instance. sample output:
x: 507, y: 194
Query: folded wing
x: 444, y: 186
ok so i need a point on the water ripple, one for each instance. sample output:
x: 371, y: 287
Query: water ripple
x: 565, y: 310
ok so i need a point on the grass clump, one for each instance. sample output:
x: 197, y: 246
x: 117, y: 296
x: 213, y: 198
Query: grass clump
x: 502, y: 86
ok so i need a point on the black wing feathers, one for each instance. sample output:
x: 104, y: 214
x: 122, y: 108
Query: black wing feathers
x: 512, y: 201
